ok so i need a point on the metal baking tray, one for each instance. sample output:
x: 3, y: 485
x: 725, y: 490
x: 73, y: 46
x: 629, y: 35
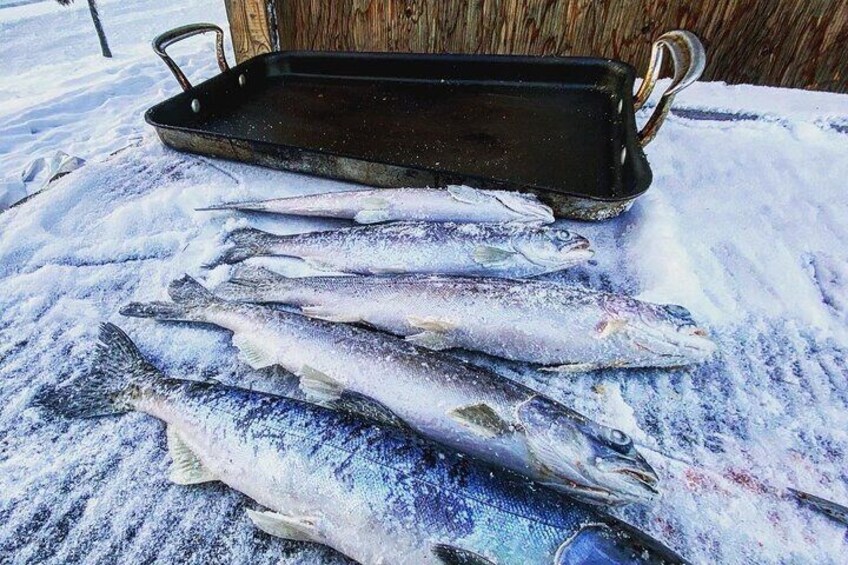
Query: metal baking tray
x: 562, y: 128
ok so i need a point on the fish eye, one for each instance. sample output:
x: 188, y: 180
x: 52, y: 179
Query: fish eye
x: 619, y: 438
x: 678, y: 311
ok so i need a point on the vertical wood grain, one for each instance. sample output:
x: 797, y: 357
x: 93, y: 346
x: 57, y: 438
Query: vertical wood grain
x: 250, y: 27
x: 799, y: 43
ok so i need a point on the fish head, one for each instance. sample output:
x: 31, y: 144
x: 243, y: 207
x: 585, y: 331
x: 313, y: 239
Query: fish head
x: 589, y: 461
x: 526, y: 207
x: 554, y: 249
x: 664, y: 333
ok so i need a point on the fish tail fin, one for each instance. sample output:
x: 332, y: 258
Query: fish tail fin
x: 247, y: 243
x: 247, y: 284
x: 117, y: 365
x: 190, y: 300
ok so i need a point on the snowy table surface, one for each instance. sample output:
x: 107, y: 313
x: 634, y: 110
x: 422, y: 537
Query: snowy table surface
x: 745, y: 225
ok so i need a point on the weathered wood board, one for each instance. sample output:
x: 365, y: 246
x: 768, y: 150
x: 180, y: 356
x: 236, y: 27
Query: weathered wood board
x: 796, y: 43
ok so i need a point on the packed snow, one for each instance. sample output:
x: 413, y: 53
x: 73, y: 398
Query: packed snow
x: 745, y: 225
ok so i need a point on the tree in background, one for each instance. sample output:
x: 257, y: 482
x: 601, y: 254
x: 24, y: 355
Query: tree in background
x: 95, y: 16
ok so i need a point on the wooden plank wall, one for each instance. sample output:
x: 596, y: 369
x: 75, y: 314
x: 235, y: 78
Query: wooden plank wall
x: 798, y: 43
x: 252, y: 26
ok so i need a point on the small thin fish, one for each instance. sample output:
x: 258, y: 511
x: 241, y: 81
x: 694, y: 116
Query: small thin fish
x: 561, y: 327
x: 500, y: 250
x: 376, y: 493
x: 451, y: 204
x: 826, y: 507
x: 457, y: 404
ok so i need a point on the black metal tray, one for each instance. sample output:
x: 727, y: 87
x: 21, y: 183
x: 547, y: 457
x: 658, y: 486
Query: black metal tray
x: 562, y: 128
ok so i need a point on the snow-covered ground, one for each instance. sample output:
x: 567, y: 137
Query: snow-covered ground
x: 745, y: 225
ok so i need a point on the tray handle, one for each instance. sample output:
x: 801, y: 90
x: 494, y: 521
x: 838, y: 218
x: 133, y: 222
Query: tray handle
x: 165, y: 40
x: 688, y: 58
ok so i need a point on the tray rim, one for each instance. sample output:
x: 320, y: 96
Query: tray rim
x: 620, y: 66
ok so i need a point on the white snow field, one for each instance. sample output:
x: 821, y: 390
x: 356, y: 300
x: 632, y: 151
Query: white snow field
x: 745, y: 224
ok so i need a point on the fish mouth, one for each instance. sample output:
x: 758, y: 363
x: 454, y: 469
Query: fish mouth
x: 644, y: 489
x: 581, y: 250
x: 645, y: 479
x: 641, y: 486
x: 681, y: 347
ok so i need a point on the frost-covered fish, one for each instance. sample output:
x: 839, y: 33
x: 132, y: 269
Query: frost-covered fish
x: 459, y: 405
x: 453, y: 204
x: 502, y: 250
x: 562, y: 327
x: 378, y: 494
x: 823, y: 505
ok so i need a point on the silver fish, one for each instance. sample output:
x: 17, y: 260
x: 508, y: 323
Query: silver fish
x: 453, y: 204
x: 378, y: 494
x: 827, y: 507
x: 561, y: 327
x: 502, y: 250
x: 462, y: 406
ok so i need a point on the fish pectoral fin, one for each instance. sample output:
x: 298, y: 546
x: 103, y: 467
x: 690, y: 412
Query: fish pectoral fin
x: 571, y: 368
x: 375, y: 203
x: 253, y: 353
x: 488, y: 255
x: 329, y: 314
x: 466, y: 194
x: 436, y: 341
x: 608, y: 327
x: 295, y: 528
x: 481, y: 419
x: 320, y: 386
x: 430, y: 324
x: 372, y: 216
x: 450, y: 555
x: 186, y: 468
x: 388, y: 269
x: 356, y: 403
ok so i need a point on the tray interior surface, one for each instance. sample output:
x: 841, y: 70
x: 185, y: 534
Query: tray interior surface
x: 523, y: 130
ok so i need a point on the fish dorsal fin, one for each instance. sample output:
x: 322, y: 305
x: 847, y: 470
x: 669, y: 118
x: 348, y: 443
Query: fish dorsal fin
x: 372, y: 216
x: 252, y: 352
x: 488, y: 255
x: 356, y: 403
x: 450, y: 555
x: 437, y: 341
x: 466, y: 194
x: 430, y: 324
x: 295, y: 528
x: 329, y: 314
x: 186, y: 468
x: 319, y: 385
x: 481, y: 419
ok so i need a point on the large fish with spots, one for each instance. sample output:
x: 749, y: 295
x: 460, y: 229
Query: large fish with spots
x: 460, y: 405
x: 561, y: 327
x: 501, y: 250
x: 378, y: 494
x: 451, y: 204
